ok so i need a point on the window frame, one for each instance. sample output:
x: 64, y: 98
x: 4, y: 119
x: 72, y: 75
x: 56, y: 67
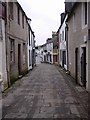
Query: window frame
x: 84, y: 25
x: 12, y: 50
x: 23, y: 20
x: 24, y: 53
x: 11, y: 5
x: 18, y: 15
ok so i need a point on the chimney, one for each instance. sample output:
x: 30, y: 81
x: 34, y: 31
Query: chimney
x: 69, y: 5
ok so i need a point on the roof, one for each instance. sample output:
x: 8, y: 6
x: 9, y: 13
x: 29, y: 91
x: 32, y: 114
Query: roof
x: 71, y: 11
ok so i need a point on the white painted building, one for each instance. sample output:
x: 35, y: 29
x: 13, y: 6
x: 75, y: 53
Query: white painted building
x: 49, y: 48
x: 31, y: 46
x: 63, y: 47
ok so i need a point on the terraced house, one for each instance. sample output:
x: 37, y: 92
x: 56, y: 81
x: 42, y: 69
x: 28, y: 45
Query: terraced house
x: 14, y: 35
x: 78, y: 22
x: 16, y: 42
x: 31, y: 46
x: 49, y: 48
x: 63, y: 42
x: 55, y: 48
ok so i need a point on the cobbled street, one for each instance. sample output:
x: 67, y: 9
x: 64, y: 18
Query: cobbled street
x: 46, y: 92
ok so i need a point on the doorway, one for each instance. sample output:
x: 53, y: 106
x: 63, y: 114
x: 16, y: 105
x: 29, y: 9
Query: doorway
x: 19, y: 59
x: 83, y: 66
x: 76, y: 65
x: 63, y: 58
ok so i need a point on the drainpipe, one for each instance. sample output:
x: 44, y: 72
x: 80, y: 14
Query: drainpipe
x: 67, y: 46
x: 6, y: 31
x: 1, y: 80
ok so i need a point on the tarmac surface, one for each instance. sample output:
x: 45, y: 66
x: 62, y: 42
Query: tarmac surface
x: 46, y: 92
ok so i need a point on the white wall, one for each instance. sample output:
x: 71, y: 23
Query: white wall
x: 63, y: 43
x: 49, y: 48
x: 29, y: 48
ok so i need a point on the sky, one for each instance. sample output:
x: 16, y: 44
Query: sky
x: 45, y: 16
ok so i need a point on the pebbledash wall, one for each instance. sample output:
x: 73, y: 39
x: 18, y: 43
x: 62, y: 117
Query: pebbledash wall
x: 16, y: 42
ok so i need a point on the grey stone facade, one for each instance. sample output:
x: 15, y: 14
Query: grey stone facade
x: 16, y: 41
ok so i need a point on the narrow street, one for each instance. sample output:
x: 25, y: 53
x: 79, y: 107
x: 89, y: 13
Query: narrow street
x: 45, y: 92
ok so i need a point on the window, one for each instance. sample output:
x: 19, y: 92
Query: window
x: 11, y: 10
x: 65, y: 33
x: 29, y: 58
x: 29, y: 37
x: 62, y: 35
x: 12, y: 46
x: 74, y: 22
x: 22, y: 20
x: 2, y: 11
x: 64, y: 55
x: 84, y: 14
x: 18, y: 15
x: 24, y: 48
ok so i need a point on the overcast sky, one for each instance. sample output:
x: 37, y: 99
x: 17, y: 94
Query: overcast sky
x: 45, y: 15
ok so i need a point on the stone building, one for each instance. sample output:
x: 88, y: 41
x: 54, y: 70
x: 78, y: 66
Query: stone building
x: 55, y: 48
x: 78, y: 22
x: 15, y: 43
x: 3, y: 66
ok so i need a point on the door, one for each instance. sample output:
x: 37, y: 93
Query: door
x: 83, y: 67
x: 44, y: 58
x: 76, y: 64
x: 19, y: 58
x: 63, y: 58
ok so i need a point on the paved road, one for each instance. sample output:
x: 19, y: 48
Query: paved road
x: 43, y: 93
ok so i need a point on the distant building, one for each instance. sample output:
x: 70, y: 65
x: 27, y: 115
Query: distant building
x: 55, y: 48
x: 31, y: 47
x: 44, y: 52
x: 49, y: 48
x: 62, y: 42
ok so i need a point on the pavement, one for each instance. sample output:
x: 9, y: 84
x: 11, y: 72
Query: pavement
x: 45, y: 92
